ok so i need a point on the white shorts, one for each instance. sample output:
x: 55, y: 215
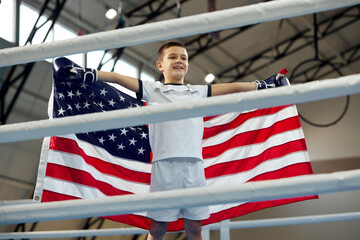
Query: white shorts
x: 178, y: 173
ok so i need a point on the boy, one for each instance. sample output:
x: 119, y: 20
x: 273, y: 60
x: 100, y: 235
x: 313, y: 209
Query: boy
x: 176, y: 145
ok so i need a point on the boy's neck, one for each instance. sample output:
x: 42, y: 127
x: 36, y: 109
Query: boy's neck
x: 177, y: 82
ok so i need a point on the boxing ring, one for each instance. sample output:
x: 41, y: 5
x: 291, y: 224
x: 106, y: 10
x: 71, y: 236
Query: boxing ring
x: 252, y: 191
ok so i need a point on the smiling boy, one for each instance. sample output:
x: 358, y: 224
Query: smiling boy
x: 176, y: 145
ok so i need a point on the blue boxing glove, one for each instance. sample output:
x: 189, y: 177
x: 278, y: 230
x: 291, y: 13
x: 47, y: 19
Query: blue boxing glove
x: 273, y: 81
x: 68, y: 71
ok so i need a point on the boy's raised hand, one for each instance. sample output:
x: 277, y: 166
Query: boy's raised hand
x: 68, y: 71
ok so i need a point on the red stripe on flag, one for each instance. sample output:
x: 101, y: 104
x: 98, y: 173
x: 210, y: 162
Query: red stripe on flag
x: 294, y: 170
x: 50, y: 196
x: 71, y: 146
x: 248, y: 208
x: 134, y: 220
x: 83, y: 178
x: 297, y: 169
x: 210, y: 117
x: 214, y: 130
x: 249, y: 163
x: 251, y: 137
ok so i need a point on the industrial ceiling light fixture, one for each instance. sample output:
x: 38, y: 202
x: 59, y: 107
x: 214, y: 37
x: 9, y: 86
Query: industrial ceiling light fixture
x: 111, y: 13
x: 209, y: 78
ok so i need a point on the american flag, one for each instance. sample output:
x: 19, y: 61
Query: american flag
x: 237, y: 148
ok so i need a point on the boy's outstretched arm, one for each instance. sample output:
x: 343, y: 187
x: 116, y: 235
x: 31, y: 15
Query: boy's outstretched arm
x: 274, y: 81
x: 67, y: 70
x: 226, y: 88
x: 125, y: 81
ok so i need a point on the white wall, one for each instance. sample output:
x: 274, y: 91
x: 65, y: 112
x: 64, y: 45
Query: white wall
x: 338, y: 141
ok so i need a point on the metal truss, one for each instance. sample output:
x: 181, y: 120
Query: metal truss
x: 318, y: 69
x: 21, y: 227
x: 91, y: 222
x: 205, y: 42
x: 143, y: 13
x: 97, y: 223
x: 290, y: 46
x: 16, y: 76
x: 153, y: 9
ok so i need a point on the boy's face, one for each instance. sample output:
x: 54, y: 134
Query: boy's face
x: 174, y: 64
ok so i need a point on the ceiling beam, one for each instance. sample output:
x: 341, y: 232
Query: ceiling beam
x: 147, y: 11
x: 287, y: 47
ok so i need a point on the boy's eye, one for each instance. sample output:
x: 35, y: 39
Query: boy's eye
x: 174, y: 57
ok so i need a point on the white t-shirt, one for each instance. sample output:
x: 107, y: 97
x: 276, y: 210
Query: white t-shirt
x: 179, y: 138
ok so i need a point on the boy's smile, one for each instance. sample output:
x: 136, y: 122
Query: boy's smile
x: 174, y: 64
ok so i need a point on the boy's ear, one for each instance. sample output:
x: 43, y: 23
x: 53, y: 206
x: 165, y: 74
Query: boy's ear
x: 159, y: 66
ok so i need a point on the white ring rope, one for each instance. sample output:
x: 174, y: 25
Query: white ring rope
x: 233, y: 225
x: 176, y: 28
x: 116, y: 205
x: 317, y: 90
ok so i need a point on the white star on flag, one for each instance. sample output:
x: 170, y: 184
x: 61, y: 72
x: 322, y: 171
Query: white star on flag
x: 121, y: 146
x: 103, y: 92
x: 141, y: 151
x: 112, y: 137
x: 123, y: 131
x: 101, y: 140
x: 132, y: 141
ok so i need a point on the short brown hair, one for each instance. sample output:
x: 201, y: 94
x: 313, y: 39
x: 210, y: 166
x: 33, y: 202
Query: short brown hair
x: 168, y: 45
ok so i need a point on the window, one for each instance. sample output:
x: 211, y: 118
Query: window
x: 60, y: 32
x: 126, y: 68
x: 94, y: 58
x: 147, y: 77
x: 28, y: 17
x: 122, y: 67
x: 7, y: 13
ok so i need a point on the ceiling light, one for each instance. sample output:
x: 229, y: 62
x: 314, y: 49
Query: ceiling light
x: 209, y: 78
x: 111, y: 14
